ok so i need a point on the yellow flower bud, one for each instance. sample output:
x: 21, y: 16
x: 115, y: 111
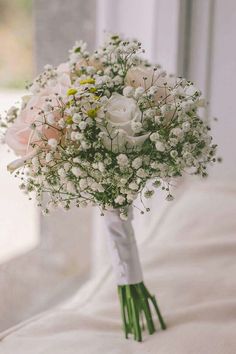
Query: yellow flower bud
x: 87, y: 81
x: 92, y: 89
x: 71, y: 92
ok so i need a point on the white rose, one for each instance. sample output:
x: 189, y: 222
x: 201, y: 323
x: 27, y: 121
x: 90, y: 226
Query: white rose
x: 121, y: 111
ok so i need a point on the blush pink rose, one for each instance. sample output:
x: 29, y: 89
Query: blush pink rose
x: 20, y: 136
x: 91, y: 61
x: 135, y: 78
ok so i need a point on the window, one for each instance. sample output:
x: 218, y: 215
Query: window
x: 18, y: 215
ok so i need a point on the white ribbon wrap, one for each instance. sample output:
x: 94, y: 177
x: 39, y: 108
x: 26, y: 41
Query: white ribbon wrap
x: 123, y: 248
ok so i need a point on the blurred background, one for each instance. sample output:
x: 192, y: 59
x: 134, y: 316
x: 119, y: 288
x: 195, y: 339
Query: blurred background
x: 45, y: 259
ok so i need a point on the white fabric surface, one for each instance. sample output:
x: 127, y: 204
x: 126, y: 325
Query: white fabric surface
x: 189, y: 263
x: 55, y: 269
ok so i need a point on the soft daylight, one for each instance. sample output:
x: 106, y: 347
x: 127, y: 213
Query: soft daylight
x: 117, y: 177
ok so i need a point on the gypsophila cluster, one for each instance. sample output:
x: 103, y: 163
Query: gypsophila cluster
x: 96, y: 129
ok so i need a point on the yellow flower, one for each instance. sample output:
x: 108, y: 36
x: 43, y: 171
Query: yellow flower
x: 87, y: 81
x: 92, y: 113
x: 69, y: 120
x: 71, y: 92
x: 92, y: 89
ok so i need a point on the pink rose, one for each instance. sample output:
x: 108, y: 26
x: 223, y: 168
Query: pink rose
x: 91, y: 61
x: 20, y: 135
x: 135, y: 78
x: 64, y: 68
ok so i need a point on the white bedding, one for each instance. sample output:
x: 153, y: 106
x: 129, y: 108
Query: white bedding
x: 189, y: 262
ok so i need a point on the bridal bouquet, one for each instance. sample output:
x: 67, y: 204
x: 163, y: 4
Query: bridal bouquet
x: 94, y: 131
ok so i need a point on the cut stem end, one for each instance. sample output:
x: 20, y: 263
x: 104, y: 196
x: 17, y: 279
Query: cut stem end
x: 135, y: 301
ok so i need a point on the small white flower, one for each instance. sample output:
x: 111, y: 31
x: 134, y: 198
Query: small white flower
x: 70, y: 187
x: 76, y: 171
x: 149, y: 113
x: 79, y: 136
x: 177, y: 132
x: 101, y: 166
x: 152, y: 90
x: 157, y: 119
x: 85, y: 145
x: 139, y: 92
x: 136, y: 163
x: 154, y: 165
x: 117, y: 80
x: 48, y: 157
x: 82, y: 125
x: 154, y: 136
x: 124, y: 216
x: 173, y: 141
x: 191, y: 90
x: 173, y: 154
x: 83, y: 183
x: 134, y: 186
x: 50, y: 118
x: 186, y: 126
x: 62, y: 172
x: 52, y: 143
x: 123, y: 181
x: 102, y: 135
x: 131, y: 197
x: 160, y: 146
x: 142, y: 173
x: 45, y: 169
x: 128, y: 91
x: 61, y: 123
x: 122, y: 160
x: 187, y: 155
x: 76, y: 160
x: 67, y: 166
x: 35, y: 161
x: 76, y: 118
x: 120, y: 199
x: 97, y: 187
x: 137, y: 127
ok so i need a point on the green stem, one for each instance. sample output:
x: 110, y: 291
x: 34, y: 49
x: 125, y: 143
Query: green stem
x: 135, y: 302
